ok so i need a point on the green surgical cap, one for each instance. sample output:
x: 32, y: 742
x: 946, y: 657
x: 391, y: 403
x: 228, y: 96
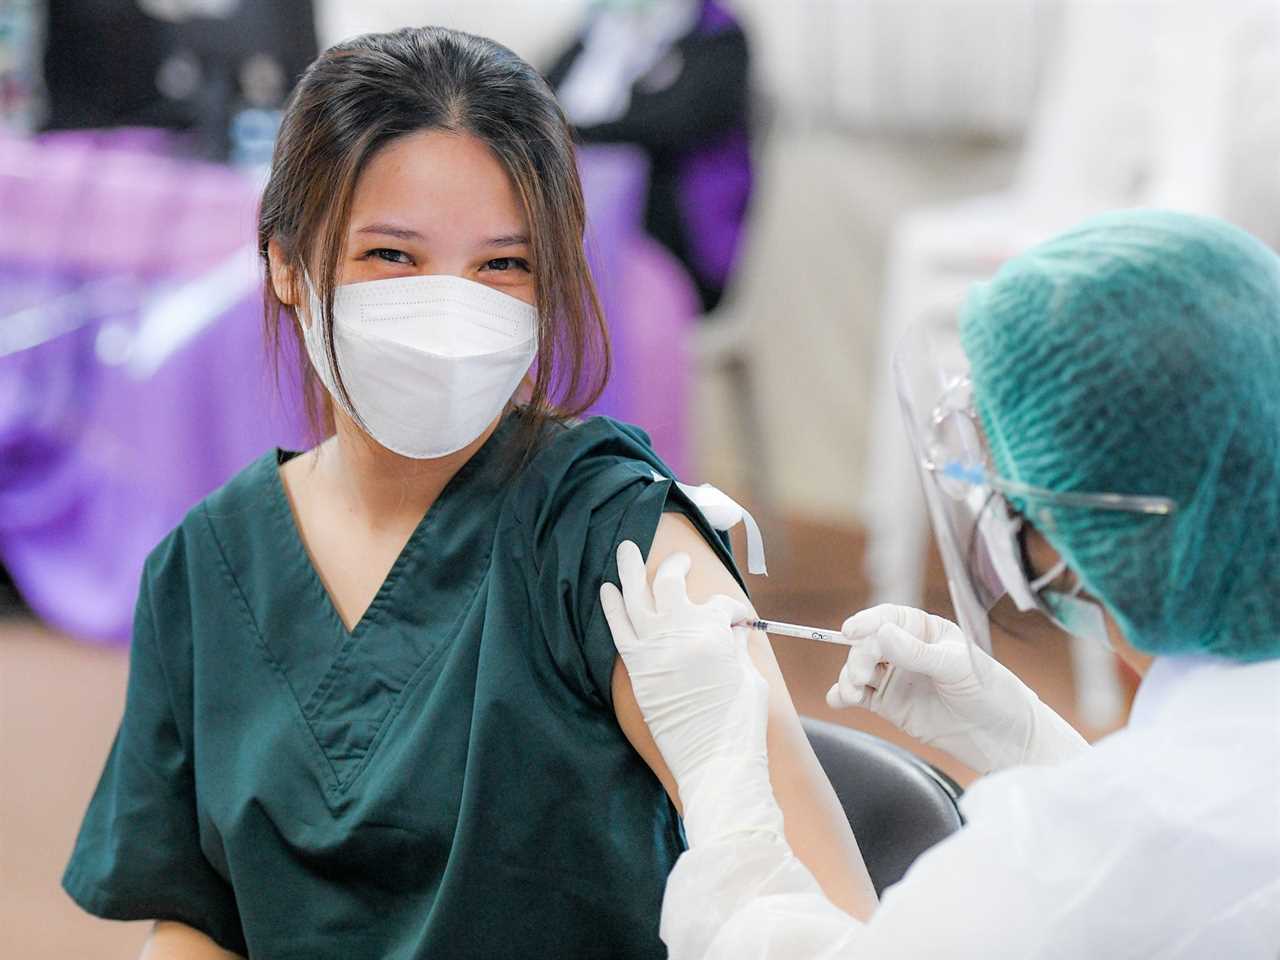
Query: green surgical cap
x: 1139, y: 353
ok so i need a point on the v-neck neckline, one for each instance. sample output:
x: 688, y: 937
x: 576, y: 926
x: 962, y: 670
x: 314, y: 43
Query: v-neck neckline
x: 288, y: 519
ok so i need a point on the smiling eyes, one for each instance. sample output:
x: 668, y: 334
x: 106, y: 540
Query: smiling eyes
x: 389, y: 255
x: 496, y: 265
x: 508, y: 263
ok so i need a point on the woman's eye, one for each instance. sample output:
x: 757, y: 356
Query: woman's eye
x: 389, y: 255
x: 502, y: 264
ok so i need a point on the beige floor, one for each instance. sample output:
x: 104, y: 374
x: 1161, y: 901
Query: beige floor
x: 60, y: 702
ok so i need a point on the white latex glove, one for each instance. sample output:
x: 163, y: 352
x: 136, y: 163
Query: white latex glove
x: 918, y: 672
x: 701, y: 696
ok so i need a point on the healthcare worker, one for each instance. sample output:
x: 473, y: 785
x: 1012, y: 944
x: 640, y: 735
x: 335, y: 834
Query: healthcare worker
x: 1102, y: 442
x: 373, y: 709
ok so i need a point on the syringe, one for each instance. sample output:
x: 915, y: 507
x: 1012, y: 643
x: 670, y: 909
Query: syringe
x: 796, y: 630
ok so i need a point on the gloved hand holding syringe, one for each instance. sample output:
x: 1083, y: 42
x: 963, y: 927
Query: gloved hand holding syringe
x: 918, y: 672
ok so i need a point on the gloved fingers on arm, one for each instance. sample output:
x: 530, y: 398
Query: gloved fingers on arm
x: 669, y: 589
x: 635, y: 583
x: 732, y: 609
x: 615, y: 614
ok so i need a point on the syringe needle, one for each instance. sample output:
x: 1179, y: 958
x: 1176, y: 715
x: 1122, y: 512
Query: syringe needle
x: 796, y: 630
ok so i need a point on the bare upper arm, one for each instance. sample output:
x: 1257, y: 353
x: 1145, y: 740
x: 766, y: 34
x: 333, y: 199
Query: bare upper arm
x: 707, y: 577
x: 815, y: 824
x: 171, y: 940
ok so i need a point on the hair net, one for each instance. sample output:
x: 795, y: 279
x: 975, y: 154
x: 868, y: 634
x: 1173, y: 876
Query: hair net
x: 1140, y: 353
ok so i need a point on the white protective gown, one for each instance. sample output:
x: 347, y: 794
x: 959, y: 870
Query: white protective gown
x: 1163, y: 841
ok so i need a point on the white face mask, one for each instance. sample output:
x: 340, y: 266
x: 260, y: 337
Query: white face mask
x: 429, y: 362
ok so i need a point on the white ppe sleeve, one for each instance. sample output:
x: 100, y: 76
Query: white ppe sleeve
x: 1160, y: 841
x: 993, y: 890
x: 748, y: 898
x: 1051, y: 866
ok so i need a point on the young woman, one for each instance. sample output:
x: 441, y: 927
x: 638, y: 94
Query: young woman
x: 374, y: 709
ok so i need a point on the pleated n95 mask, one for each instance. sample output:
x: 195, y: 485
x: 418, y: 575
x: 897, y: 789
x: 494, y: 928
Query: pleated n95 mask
x: 427, y: 361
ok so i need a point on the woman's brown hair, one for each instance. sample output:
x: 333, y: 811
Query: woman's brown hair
x: 360, y: 95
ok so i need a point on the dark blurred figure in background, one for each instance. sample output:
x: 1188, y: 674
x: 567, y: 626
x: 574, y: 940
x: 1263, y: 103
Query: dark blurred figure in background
x: 217, y: 68
x: 672, y: 77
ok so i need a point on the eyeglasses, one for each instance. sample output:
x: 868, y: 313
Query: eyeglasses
x: 957, y: 459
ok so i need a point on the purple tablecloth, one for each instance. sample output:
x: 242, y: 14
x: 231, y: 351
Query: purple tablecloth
x: 96, y: 466
x: 97, y: 462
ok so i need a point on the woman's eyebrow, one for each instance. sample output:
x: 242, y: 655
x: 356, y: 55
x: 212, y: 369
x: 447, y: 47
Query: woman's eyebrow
x: 391, y: 230
x: 405, y: 233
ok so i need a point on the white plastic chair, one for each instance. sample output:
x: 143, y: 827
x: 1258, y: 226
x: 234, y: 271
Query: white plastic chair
x: 723, y: 343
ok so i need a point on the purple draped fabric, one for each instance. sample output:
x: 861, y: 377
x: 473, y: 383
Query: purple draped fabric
x: 97, y: 463
x: 715, y: 183
x: 715, y: 189
x: 97, y: 466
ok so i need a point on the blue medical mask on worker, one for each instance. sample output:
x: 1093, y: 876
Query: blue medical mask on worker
x: 428, y: 362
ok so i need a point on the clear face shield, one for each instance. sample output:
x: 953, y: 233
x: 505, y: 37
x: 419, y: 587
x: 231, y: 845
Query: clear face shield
x: 980, y: 535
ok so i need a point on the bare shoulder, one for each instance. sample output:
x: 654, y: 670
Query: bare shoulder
x: 708, y: 575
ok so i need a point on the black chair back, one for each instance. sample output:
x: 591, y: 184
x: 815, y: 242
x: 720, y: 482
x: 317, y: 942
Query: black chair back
x: 898, y: 805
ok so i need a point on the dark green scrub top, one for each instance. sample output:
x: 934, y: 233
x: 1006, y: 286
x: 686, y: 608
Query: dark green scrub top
x: 446, y: 780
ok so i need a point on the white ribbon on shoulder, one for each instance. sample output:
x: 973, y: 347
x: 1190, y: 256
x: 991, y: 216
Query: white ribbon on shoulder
x: 724, y: 513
